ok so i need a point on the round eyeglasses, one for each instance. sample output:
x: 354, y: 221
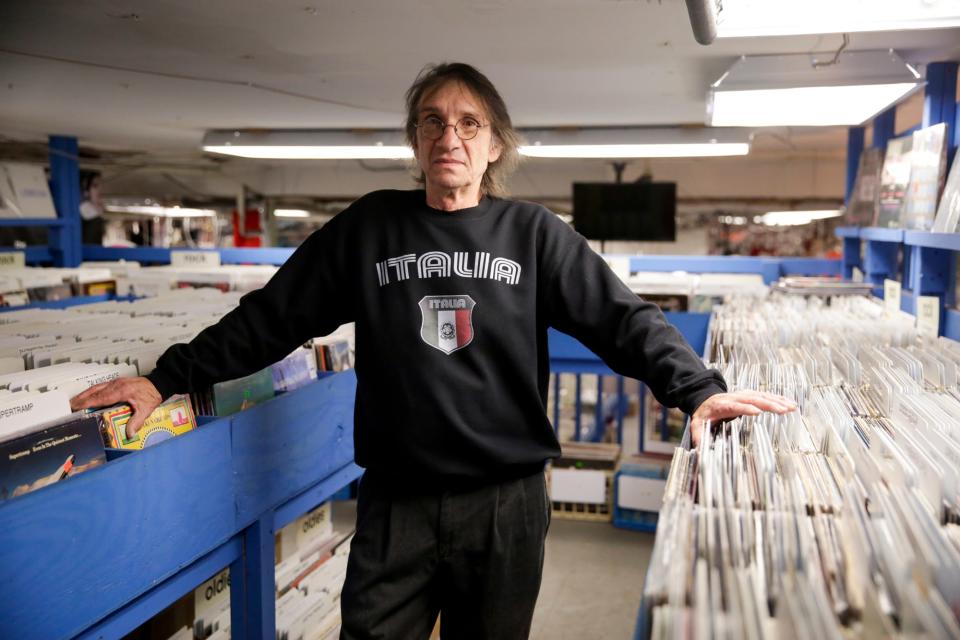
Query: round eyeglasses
x: 467, y: 128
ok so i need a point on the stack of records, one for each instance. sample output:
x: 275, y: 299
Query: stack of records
x: 23, y: 285
x: 841, y: 520
x: 894, y: 181
x: 810, y: 285
x: 928, y: 164
x: 48, y: 356
x: 865, y: 198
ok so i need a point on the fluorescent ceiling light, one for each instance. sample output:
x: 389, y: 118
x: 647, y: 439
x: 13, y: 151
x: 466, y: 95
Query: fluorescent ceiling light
x: 311, y: 152
x: 636, y: 142
x: 639, y: 142
x: 788, y: 90
x: 291, y: 213
x: 804, y: 106
x: 635, y: 150
x: 742, y: 18
x: 166, y: 212
x: 309, y: 145
x: 794, y: 218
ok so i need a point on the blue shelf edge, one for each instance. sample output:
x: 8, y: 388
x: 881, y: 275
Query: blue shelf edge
x: 634, y: 526
x: 950, y: 241
x: 161, y: 255
x: 31, y: 222
x: 570, y: 355
x: 951, y: 324
x: 847, y: 232
x: 33, y: 254
x: 880, y: 234
x: 69, y: 302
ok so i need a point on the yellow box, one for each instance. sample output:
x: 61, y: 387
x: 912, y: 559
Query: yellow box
x: 172, y: 418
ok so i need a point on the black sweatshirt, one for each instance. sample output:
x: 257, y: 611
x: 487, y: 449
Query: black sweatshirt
x: 451, y: 312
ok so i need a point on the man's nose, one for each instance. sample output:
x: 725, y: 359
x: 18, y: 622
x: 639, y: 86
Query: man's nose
x: 449, y: 139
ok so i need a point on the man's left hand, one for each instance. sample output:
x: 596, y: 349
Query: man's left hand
x: 724, y: 406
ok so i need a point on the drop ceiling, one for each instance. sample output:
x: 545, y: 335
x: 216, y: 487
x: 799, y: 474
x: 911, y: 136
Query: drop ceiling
x: 153, y: 76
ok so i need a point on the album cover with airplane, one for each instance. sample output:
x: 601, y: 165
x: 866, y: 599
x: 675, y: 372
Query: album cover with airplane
x: 49, y: 455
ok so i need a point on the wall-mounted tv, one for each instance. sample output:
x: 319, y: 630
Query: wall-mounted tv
x: 644, y: 211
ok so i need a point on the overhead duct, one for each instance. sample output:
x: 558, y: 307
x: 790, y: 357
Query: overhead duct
x: 703, y: 19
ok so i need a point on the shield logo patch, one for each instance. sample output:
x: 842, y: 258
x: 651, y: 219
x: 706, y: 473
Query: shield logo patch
x: 447, y: 322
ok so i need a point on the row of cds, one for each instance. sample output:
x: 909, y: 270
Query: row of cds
x: 840, y: 520
x: 49, y: 355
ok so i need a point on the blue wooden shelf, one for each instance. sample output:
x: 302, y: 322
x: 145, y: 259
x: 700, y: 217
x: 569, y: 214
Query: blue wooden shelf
x: 69, y: 302
x: 570, y: 355
x: 33, y: 254
x: 950, y: 241
x: 881, y: 234
x: 810, y: 267
x: 847, y: 232
x: 96, y: 555
x: 159, y: 255
x: 31, y: 222
x: 951, y: 324
x: 769, y: 268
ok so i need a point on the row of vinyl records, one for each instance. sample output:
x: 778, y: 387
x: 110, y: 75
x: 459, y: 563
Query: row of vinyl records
x: 23, y: 285
x: 907, y: 186
x: 47, y: 356
x: 310, y: 563
x: 840, y: 521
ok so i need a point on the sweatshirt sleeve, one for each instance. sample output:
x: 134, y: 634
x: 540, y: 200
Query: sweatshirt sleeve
x: 308, y: 296
x: 585, y: 299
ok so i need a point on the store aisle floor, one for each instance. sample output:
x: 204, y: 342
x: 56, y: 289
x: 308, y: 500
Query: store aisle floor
x: 592, y: 579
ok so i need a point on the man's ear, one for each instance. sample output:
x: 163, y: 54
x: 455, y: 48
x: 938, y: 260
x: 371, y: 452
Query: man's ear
x: 495, y: 150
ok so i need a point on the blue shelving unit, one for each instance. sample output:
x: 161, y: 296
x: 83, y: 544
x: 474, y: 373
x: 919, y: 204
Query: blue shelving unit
x: 97, y: 555
x: 924, y: 262
x: 63, y: 236
x: 160, y: 255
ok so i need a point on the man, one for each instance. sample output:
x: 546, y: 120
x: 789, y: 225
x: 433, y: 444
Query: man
x: 452, y: 289
x: 91, y: 209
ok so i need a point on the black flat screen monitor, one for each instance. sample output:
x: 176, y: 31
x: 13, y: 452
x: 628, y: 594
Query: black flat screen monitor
x: 626, y: 211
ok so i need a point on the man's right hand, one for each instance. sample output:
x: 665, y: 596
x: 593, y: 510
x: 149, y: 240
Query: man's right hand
x: 138, y: 392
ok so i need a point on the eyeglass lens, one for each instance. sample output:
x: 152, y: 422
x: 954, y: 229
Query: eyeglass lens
x: 465, y: 128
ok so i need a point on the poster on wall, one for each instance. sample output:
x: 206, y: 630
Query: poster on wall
x: 24, y: 192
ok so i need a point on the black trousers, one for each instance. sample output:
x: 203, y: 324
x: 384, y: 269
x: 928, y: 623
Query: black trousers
x: 476, y: 555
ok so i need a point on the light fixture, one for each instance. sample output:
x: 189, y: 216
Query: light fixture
x: 636, y: 142
x: 316, y: 144
x: 291, y: 213
x: 746, y: 18
x: 795, y: 218
x: 630, y: 142
x: 795, y: 90
x: 163, y: 212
